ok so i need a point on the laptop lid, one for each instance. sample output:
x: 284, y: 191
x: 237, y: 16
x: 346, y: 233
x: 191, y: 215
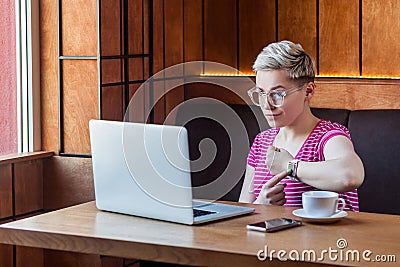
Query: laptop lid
x: 144, y: 170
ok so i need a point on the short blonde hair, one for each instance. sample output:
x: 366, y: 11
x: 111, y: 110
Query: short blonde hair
x: 288, y: 56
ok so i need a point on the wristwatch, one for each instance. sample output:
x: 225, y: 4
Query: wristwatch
x: 292, y: 170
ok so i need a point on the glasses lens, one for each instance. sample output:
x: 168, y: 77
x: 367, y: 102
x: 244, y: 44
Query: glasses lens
x: 255, y: 96
x: 275, y: 99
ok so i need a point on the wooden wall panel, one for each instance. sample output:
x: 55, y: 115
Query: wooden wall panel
x: 111, y: 71
x: 6, y: 255
x: 357, y: 94
x: 48, y: 74
x: 110, y: 27
x: 79, y: 34
x: 135, y: 26
x: 80, y: 103
x: 257, y: 28
x: 380, y: 31
x: 27, y: 256
x: 158, y: 57
x: 173, y: 39
x: 297, y: 22
x: 28, y: 184
x: 193, y: 30
x: 67, y: 181
x: 339, y: 37
x: 5, y: 191
x: 69, y: 259
x: 112, y: 105
x: 220, y: 32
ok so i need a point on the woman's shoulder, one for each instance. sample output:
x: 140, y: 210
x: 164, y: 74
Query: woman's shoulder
x: 266, y: 135
x: 327, y: 129
x: 327, y: 126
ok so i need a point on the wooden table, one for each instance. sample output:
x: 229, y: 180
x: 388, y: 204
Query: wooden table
x: 83, y: 228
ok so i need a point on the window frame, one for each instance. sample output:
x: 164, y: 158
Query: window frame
x: 28, y: 75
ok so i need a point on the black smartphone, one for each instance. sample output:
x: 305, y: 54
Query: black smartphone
x: 273, y: 225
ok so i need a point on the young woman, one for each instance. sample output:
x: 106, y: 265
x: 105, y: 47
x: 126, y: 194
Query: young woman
x: 300, y: 152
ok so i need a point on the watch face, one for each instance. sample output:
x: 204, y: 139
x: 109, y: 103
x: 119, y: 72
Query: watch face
x: 290, y: 168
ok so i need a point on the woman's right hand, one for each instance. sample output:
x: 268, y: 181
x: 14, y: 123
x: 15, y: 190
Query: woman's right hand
x: 272, y: 191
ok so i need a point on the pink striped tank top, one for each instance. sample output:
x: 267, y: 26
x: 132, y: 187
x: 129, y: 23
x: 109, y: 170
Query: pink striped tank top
x: 311, y: 151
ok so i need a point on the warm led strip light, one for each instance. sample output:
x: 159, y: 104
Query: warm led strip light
x: 241, y: 74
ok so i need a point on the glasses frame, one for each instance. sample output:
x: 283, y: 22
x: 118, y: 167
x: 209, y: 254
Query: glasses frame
x: 268, y: 96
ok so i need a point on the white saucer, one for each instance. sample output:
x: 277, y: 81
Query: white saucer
x: 307, y: 218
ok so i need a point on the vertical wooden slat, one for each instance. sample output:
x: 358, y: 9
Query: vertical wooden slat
x: 110, y: 27
x: 5, y: 191
x: 80, y: 103
x: 158, y: 57
x: 135, y: 27
x: 193, y: 30
x: 380, y: 28
x: 48, y: 74
x: 79, y: 28
x: 339, y: 37
x: 158, y: 35
x: 220, y: 40
x: 28, y: 185
x: 257, y: 28
x: 112, y: 106
x: 297, y: 22
x: 173, y: 19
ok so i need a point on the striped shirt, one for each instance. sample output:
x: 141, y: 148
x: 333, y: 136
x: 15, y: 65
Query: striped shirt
x: 312, y: 150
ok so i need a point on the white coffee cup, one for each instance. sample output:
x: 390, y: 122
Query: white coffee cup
x: 321, y: 203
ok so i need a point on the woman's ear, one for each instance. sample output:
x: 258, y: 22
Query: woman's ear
x: 310, y: 89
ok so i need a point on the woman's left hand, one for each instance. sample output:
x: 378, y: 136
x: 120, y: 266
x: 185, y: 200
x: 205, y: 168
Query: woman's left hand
x: 277, y: 159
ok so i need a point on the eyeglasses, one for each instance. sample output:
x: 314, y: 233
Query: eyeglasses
x: 274, y: 97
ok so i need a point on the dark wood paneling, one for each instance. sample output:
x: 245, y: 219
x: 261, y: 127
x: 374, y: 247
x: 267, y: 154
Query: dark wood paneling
x: 48, y: 74
x: 158, y: 57
x: 110, y: 27
x: 5, y: 191
x: 138, y: 98
x: 297, y: 22
x: 69, y: 259
x: 28, y: 185
x: 111, y: 71
x: 67, y: 182
x: 80, y: 103
x: 79, y: 34
x: 173, y: 32
x: 220, y: 32
x: 257, y: 28
x: 136, y: 71
x: 193, y: 31
x: 112, y: 105
x: 112, y: 262
x: 339, y: 37
x: 173, y: 16
x: 380, y: 30
x: 209, y: 90
x: 135, y: 26
x: 6, y: 255
x: 158, y: 35
x: 27, y: 256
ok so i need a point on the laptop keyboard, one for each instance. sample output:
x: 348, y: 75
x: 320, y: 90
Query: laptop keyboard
x: 197, y: 213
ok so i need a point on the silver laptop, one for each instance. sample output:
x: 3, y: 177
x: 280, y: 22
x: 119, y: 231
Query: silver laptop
x: 144, y: 170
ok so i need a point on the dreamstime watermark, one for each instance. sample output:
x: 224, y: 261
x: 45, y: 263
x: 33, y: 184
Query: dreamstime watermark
x: 338, y: 253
